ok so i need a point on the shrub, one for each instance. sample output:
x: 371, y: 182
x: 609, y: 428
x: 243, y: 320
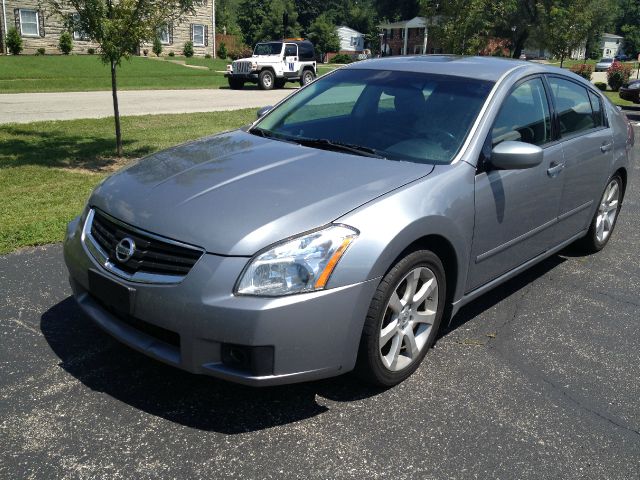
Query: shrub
x: 145, y: 52
x: 65, y: 44
x: 171, y: 54
x: 14, y: 41
x: 601, y: 85
x: 341, y: 58
x: 584, y: 70
x: 91, y: 51
x: 207, y: 56
x: 222, y: 51
x: 188, y: 49
x: 41, y: 51
x: 617, y: 75
x: 157, y: 47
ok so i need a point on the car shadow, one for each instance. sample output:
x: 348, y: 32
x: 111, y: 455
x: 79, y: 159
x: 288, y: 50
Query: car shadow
x: 105, y: 365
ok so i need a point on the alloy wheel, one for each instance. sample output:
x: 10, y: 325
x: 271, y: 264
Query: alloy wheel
x: 408, y: 319
x: 607, y: 211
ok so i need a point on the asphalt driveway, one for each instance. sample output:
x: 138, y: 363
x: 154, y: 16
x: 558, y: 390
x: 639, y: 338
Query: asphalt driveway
x: 538, y: 379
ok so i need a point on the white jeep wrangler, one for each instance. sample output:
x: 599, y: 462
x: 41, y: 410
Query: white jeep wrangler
x: 273, y: 64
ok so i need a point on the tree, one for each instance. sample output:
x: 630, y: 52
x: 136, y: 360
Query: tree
x: 261, y: 21
x: 65, y: 44
x: 628, y: 25
x: 322, y: 33
x: 119, y: 27
x: 14, y: 41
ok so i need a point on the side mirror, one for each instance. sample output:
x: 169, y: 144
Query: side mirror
x: 264, y: 110
x: 511, y: 155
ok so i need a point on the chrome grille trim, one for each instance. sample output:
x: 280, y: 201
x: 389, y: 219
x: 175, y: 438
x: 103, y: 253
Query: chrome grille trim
x: 140, y: 276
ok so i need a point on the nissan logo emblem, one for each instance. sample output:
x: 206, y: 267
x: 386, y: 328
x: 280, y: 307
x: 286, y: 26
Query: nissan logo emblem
x: 125, y: 249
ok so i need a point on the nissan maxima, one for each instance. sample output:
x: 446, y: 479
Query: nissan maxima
x: 346, y: 225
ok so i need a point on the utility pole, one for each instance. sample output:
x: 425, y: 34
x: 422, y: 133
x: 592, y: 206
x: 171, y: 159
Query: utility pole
x: 213, y: 21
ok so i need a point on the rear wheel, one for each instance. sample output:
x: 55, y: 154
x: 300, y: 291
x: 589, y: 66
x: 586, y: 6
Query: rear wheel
x: 403, y: 319
x: 307, y: 77
x: 266, y: 80
x: 604, y: 220
x: 235, y: 84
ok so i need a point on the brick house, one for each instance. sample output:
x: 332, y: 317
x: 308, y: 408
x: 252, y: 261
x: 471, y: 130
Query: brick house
x: 40, y: 29
x: 408, y: 37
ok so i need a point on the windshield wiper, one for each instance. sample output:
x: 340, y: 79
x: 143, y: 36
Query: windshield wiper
x: 261, y: 132
x: 341, y: 147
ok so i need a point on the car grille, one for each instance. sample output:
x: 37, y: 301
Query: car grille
x: 152, y: 255
x: 241, y: 67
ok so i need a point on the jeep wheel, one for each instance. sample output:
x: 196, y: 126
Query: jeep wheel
x: 235, y: 84
x: 280, y: 82
x: 307, y: 77
x: 266, y: 80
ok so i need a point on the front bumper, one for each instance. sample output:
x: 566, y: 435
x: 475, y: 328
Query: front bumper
x: 245, y: 77
x: 311, y: 336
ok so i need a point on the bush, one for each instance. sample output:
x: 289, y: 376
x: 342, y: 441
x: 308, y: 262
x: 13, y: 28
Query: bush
x: 157, y: 47
x: 188, y: 49
x: 14, y: 41
x: 341, y: 58
x: 145, y: 52
x: 222, y: 51
x: 41, y: 51
x: 171, y: 54
x: 601, y: 86
x: 617, y: 75
x: 91, y: 51
x: 65, y: 44
x: 207, y: 56
x: 584, y: 70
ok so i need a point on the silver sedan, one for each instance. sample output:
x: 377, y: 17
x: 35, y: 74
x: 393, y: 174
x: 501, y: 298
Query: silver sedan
x: 351, y: 221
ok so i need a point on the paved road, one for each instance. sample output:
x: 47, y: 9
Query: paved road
x: 32, y: 107
x: 536, y: 380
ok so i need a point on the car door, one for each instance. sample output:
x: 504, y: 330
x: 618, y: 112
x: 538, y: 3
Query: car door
x: 587, y: 144
x: 291, y: 60
x: 516, y: 210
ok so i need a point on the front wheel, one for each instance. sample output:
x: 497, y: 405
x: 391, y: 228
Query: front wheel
x: 403, y: 319
x: 307, y: 77
x: 605, y: 218
x: 266, y: 80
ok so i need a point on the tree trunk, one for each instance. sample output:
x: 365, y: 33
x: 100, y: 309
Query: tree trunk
x: 561, y: 60
x: 519, y: 44
x: 116, y: 111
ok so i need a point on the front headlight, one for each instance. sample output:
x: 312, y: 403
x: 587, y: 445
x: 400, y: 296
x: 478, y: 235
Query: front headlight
x: 302, y: 264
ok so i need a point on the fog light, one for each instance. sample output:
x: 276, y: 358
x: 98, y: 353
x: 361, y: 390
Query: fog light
x: 256, y: 361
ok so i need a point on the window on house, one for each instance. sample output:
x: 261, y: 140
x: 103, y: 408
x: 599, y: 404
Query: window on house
x: 78, y: 33
x: 29, y: 23
x: 198, y: 36
x: 163, y: 35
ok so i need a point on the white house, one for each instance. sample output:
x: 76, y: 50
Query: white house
x: 351, y: 41
x: 610, y: 46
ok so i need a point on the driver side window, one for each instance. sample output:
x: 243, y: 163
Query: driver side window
x: 524, y: 116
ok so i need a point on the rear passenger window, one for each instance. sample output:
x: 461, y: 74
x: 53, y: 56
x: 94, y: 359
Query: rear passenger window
x: 596, y: 106
x: 573, y: 105
x: 524, y: 116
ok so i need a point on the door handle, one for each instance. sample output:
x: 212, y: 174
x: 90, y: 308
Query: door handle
x: 555, y: 170
x: 606, y: 147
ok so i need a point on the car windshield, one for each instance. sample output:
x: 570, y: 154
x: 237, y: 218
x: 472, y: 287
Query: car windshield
x: 395, y: 115
x: 606, y: 60
x: 271, y: 48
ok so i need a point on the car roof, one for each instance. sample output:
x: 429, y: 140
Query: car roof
x: 482, y: 68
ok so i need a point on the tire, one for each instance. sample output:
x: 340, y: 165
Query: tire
x: 389, y: 361
x: 307, y: 77
x: 605, y: 218
x: 235, y: 84
x: 280, y: 83
x: 266, y: 80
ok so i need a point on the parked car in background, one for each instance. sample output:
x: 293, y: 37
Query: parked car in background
x: 631, y: 91
x: 622, y: 57
x: 273, y: 64
x: 604, y: 64
x: 343, y: 227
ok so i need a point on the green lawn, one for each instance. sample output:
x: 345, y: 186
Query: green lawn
x: 615, y: 98
x: 47, y: 169
x: 86, y: 72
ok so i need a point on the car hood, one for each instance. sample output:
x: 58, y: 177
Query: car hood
x: 236, y: 193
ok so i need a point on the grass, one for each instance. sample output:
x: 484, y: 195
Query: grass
x: 74, y: 73
x: 51, y: 73
x: 48, y: 169
x: 615, y: 98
